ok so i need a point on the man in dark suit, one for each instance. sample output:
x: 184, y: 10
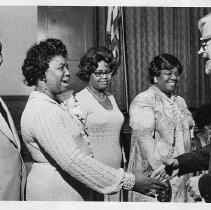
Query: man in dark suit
x: 196, y: 160
x: 187, y: 163
x: 12, y: 170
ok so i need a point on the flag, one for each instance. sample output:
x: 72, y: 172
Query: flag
x: 113, y: 31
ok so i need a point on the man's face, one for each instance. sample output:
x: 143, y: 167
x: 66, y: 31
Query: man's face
x: 205, y: 49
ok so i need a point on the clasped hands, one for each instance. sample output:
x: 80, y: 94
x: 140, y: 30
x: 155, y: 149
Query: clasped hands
x: 169, y: 169
x: 152, y: 187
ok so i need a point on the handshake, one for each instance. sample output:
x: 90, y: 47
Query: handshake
x: 157, y: 185
x: 170, y: 169
x: 152, y: 187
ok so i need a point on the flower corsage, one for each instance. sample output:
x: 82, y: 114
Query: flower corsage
x: 71, y: 105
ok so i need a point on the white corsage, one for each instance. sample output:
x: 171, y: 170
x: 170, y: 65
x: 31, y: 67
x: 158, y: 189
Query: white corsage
x: 71, y: 105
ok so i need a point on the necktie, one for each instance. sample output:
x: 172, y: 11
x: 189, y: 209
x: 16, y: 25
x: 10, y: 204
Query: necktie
x: 4, y: 114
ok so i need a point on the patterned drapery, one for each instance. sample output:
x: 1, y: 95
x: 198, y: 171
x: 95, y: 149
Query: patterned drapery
x: 153, y: 30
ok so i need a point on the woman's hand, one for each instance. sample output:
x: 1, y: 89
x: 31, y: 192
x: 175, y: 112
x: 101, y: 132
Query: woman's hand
x: 144, y: 184
x: 166, y: 171
x: 165, y: 196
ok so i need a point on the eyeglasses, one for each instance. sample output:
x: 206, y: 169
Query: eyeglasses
x: 204, y: 43
x: 101, y: 73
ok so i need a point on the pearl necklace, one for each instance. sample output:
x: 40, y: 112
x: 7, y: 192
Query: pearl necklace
x: 101, y: 100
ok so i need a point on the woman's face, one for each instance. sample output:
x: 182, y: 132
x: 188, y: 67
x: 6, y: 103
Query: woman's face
x: 57, y: 75
x: 101, y: 77
x: 168, y: 80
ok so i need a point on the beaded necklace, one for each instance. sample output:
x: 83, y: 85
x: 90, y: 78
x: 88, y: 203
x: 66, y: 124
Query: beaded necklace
x: 101, y: 100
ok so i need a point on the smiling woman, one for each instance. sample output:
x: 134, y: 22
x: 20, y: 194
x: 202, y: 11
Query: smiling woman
x: 62, y: 163
x: 161, y: 126
x: 103, y: 118
x: 165, y: 73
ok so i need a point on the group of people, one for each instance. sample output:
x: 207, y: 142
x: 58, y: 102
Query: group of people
x: 74, y: 140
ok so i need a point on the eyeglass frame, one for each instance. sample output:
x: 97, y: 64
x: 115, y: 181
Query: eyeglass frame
x: 204, y: 42
x: 99, y: 74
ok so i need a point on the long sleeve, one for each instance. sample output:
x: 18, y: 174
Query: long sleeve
x: 53, y: 136
x: 194, y: 161
x: 142, y: 122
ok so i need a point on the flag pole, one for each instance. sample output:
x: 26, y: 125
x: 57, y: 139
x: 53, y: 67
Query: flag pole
x: 125, y: 62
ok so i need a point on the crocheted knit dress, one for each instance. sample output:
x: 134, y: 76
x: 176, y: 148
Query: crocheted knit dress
x: 62, y: 167
x: 103, y: 127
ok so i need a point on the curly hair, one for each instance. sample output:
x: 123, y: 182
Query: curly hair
x: 163, y: 62
x: 89, y: 62
x: 38, y: 57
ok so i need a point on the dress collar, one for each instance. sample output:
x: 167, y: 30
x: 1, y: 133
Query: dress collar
x: 157, y: 90
x: 43, y: 96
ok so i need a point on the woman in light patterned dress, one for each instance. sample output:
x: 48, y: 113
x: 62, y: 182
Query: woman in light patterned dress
x: 103, y: 118
x: 62, y: 165
x: 161, y: 125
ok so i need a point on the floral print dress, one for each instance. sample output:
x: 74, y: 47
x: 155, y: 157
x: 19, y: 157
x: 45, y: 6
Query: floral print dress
x: 161, y: 129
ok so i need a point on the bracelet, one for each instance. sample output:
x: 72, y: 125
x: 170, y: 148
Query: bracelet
x: 128, y: 181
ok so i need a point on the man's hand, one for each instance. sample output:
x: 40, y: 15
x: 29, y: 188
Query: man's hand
x: 166, y: 171
x: 193, y: 188
x: 144, y: 184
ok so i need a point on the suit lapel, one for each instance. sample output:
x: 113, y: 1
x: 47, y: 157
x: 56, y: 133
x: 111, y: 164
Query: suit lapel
x: 5, y: 128
x: 11, y: 133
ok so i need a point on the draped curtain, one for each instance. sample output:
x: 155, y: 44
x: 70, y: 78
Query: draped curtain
x: 150, y: 31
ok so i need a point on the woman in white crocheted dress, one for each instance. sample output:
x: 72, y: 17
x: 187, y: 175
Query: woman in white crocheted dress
x: 63, y: 166
x: 161, y: 126
x: 102, y: 117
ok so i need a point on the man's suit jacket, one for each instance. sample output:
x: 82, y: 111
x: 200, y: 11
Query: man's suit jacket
x: 12, y: 169
x: 196, y: 161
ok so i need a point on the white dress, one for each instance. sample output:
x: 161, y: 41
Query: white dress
x: 103, y: 128
x: 63, y: 167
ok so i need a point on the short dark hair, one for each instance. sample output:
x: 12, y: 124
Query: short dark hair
x: 38, y: 57
x: 89, y: 62
x: 161, y: 62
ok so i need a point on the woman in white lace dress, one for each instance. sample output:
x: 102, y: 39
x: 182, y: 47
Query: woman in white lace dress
x: 102, y: 117
x: 63, y: 166
x: 161, y: 125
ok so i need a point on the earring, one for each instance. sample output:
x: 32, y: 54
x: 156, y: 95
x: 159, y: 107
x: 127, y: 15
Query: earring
x: 44, y: 89
x: 155, y: 80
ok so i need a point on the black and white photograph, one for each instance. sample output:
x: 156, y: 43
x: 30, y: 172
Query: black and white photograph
x: 105, y: 105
